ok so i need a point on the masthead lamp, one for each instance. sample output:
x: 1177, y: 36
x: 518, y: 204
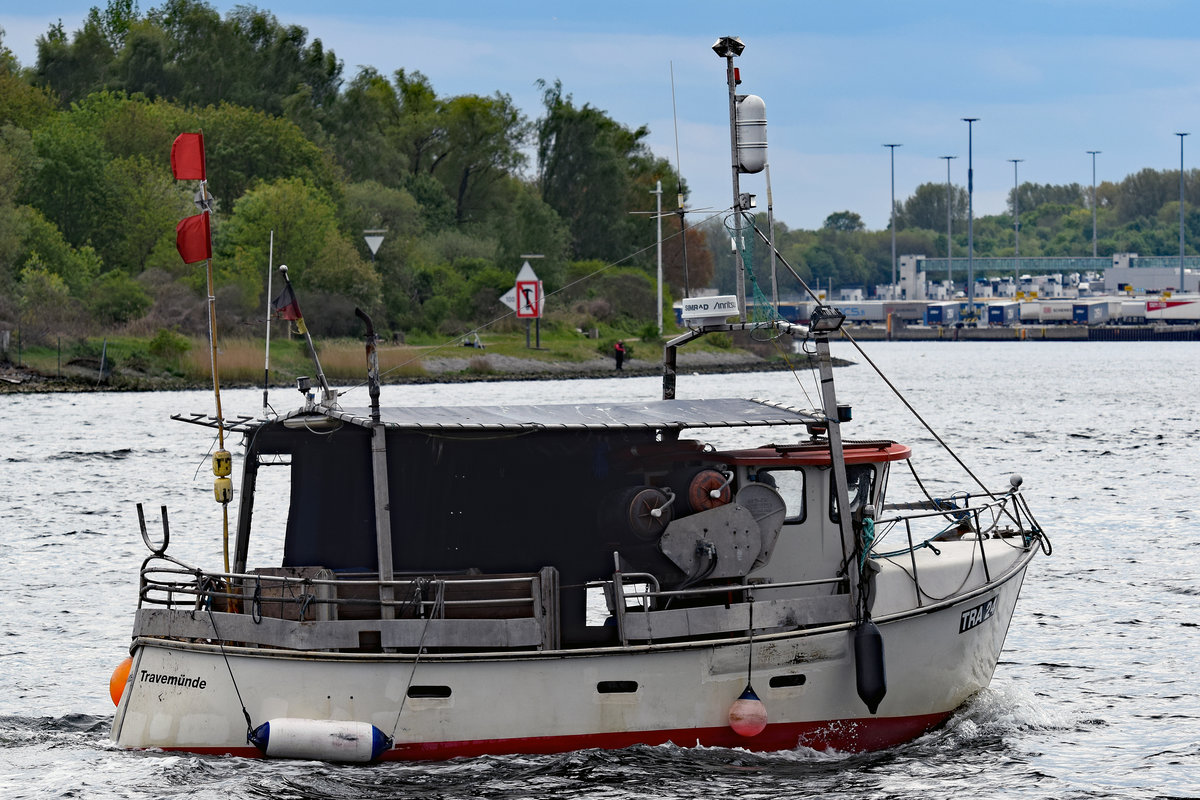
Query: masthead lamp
x: 729, y: 47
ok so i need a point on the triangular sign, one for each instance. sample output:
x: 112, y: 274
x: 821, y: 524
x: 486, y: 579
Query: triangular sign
x: 373, y: 242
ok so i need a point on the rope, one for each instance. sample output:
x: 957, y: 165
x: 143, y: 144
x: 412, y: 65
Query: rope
x: 236, y: 690
x: 868, y: 539
x: 439, y: 606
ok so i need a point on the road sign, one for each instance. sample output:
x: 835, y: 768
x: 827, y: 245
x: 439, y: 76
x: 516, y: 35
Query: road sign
x: 526, y: 297
x: 529, y: 299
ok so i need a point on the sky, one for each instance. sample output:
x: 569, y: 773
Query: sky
x: 1048, y: 81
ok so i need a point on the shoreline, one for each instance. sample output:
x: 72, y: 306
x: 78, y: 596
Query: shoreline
x: 15, y: 380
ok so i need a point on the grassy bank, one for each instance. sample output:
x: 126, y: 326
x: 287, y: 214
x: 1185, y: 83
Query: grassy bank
x: 171, y: 361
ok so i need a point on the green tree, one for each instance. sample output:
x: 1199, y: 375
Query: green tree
x: 45, y: 303
x: 584, y: 171
x: 116, y: 298
x: 146, y: 205
x: 44, y: 249
x: 844, y: 221
x: 306, y: 236
x: 483, y: 143
x: 68, y: 186
x: 245, y: 146
x: 926, y: 207
x: 76, y: 68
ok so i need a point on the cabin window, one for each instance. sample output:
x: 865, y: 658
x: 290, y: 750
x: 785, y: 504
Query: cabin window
x: 860, y: 488
x: 790, y: 485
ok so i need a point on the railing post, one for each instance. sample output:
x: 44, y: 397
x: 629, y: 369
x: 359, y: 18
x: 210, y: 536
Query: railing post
x: 912, y: 556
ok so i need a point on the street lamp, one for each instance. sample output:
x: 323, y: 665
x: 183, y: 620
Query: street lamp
x: 949, y: 209
x: 893, y: 147
x: 1093, y: 154
x: 1016, y: 224
x: 1181, y: 135
x: 970, y: 221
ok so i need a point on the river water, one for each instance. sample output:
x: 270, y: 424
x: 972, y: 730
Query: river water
x: 1095, y: 694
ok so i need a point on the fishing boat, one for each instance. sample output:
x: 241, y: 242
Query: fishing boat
x: 467, y: 580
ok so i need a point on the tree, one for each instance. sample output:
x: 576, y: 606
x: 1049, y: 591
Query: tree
x: 246, y: 146
x: 73, y: 69
x: 68, y: 186
x: 45, y: 303
x: 926, y: 207
x: 593, y: 171
x: 117, y: 298
x: 482, y: 145
x: 1035, y: 194
x: 306, y: 236
x: 697, y: 272
x: 365, y: 127
x: 844, y: 221
x: 42, y: 247
x: 146, y: 204
x: 20, y: 103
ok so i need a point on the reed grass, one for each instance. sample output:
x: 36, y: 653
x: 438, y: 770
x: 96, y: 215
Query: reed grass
x: 241, y: 361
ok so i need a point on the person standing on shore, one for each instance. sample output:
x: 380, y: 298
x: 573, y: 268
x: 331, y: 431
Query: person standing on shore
x: 619, y: 353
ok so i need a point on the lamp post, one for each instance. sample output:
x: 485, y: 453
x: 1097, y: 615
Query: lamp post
x: 893, y: 147
x: 970, y: 220
x: 1093, y: 154
x: 949, y: 211
x: 1016, y: 224
x: 1181, y: 135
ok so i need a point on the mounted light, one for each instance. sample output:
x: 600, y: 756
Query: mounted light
x: 729, y: 47
x: 826, y: 319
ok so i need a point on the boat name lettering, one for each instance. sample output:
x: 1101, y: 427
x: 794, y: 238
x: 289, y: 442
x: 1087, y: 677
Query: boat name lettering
x: 977, y: 615
x: 173, y: 680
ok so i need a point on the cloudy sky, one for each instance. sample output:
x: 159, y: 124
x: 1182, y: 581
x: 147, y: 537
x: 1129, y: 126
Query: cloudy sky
x: 1048, y: 81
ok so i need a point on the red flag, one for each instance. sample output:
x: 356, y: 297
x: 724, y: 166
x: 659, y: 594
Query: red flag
x: 192, y: 238
x: 187, y: 157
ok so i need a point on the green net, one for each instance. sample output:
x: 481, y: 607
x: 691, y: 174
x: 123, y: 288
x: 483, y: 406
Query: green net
x: 761, y: 309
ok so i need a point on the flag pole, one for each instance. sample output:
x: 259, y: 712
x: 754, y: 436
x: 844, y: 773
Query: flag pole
x: 267, y: 358
x: 188, y: 163
x: 327, y: 395
x: 212, y: 323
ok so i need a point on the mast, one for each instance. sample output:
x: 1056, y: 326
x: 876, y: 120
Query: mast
x: 730, y: 47
x: 379, y: 475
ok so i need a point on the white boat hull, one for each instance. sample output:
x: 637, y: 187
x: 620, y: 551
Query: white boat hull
x: 180, y: 696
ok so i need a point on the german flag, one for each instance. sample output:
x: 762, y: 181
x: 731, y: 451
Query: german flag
x: 287, y: 307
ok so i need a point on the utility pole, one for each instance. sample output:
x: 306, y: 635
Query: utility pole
x: 949, y: 218
x: 1093, y: 154
x: 893, y: 147
x: 970, y: 220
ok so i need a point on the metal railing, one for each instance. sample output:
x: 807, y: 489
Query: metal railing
x: 168, y: 583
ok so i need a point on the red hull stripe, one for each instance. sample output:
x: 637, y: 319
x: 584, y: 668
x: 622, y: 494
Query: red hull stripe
x: 850, y: 736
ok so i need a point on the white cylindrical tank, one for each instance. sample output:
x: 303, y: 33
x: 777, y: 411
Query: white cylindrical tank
x: 751, y: 133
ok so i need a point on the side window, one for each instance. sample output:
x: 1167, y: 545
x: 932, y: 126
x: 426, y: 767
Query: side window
x: 860, y: 487
x: 790, y: 485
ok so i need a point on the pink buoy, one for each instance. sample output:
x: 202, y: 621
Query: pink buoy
x: 748, y: 715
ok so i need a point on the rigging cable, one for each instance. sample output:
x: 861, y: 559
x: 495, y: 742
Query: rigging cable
x: 236, y: 690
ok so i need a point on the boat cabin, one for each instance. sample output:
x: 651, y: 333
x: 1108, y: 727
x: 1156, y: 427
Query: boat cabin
x: 564, y: 497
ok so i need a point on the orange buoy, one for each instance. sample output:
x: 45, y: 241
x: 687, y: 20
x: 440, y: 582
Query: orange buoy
x: 748, y: 715
x: 116, y: 684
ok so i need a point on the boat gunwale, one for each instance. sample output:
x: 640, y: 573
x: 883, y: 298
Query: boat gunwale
x: 1016, y: 567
